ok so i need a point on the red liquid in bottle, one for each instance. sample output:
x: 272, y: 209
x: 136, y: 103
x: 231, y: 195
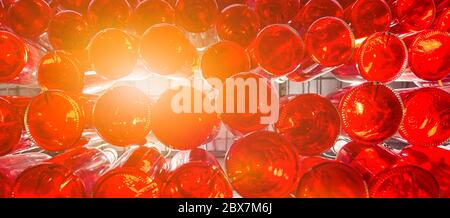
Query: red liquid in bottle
x: 443, y: 22
x: 55, y: 121
x: 151, y: 12
x: 68, y: 30
x: 315, y: 9
x: 29, y: 18
x: 368, y: 17
x: 122, y: 116
x: 243, y: 119
x: 413, y: 15
x: 263, y: 165
x: 185, y: 130
x: 224, y: 60
x: 310, y: 122
x: 332, y: 180
x: 371, y: 113
x: 141, y: 175
x: 426, y: 120
x: 103, y: 14
x: 196, y: 174
x: 276, y: 11
x: 166, y: 51
x: 196, y: 16
x: 112, y: 53
x: 238, y: 23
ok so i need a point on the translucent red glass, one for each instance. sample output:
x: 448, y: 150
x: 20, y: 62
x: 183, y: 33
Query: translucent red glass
x: 247, y: 121
x: 68, y: 175
x: 238, y: 23
x: 196, y: 174
x: 224, y: 60
x: 414, y: 15
x: 276, y: 11
x: 55, y: 121
x: 382, y: 57
x: 113, y: 53
x: 75, y: 5
x: 429, y: 55
x: 225, y: 3
x: 122, y: 116
x: 5, y: 187
x: 443, y: 22
x: 151, y: 12
x: 426, y: 117
x: 103, y: 14
x: 371, y: 113
x: 166, y: 51
x: 332, y: 180
x: 330, y: 42
x: 278, y: 49
x: 68, y: 30
x: 368, y: 17
x: 11, y: 127
x: 190, y: 128
x: 315, y: 9
x: 137, y: 177
x: 263, y: 165
x: 29, y: 18
x: 196, y: 16
x: 57, y: 70
x: 310, y: 122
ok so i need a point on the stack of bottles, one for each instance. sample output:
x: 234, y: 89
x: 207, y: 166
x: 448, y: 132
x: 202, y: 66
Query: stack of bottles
x: 86, y: 134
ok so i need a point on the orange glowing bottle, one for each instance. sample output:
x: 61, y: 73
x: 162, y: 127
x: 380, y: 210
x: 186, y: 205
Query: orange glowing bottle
x: 102, y: 14
x: 196, y: 174
x: 151, y: 12
x: 69, y: 30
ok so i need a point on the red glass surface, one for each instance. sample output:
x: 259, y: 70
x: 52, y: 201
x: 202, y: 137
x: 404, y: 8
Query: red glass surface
x: 112, y: 53
x: 166, y: 51
x: 140, y: 176
x: 415, y: 15
x: 429, y: 55
x: 122, y: 116
x: 278, y: 49
x: 13, y: 56
x: 10, y: 127
x: 369, y: 16
x: 75, y: 5
x: 55, y: 121
x: 196, y: 16
x: 238, y: 23
x: 310, y: 122
x: 224, y: 60
x: 371, y: 113
x: 263, y: 165
x: 2, y: 14
x: 315, y: 9
x: 225, y: 3
x: 29, y: 18
x: 5, y: 187
x: 443, y: 22
x: 404, y: 182
x: 103, y: 14
x: 346, y: 3
x: 307, y: 163
x: 276, y: 11
x: 196, y: 174
x: 247, y: 121
x: 330, y: 42
x: 332, y: 180
x: 151, y: 12
x: 426, y: 117
x: 57, y: 70
x: 68, y: 30
x: 382, y: 57
x: 435, y: 160
x: 190, y: 129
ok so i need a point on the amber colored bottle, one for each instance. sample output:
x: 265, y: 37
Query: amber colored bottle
x: 263, y: 165
x: 139, y: 175
x: 151, y: 12
x: 55, y: 120
x: 12, y: 165
x: 310, y: 122
x: 122, y: 116
x: 69, y: 30
x: 69, y: 175
x: 371, y: 113
x: 181, y: 127
x: 18, y: 59
x: 426, y: 119
x: 388, y: 175
x: 102, y: 14
x: 196, y: 174
x: 29, y: 18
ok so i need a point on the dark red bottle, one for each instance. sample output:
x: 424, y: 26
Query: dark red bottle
x: 11, y: 127
x: 276, y: 11
x: 29, y: 18
x: 196, y: 174
x: 196, y: 16
x: 68, y: 30
x: 315, y: 9
x: 413, y: 15
x: 367, y: 17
